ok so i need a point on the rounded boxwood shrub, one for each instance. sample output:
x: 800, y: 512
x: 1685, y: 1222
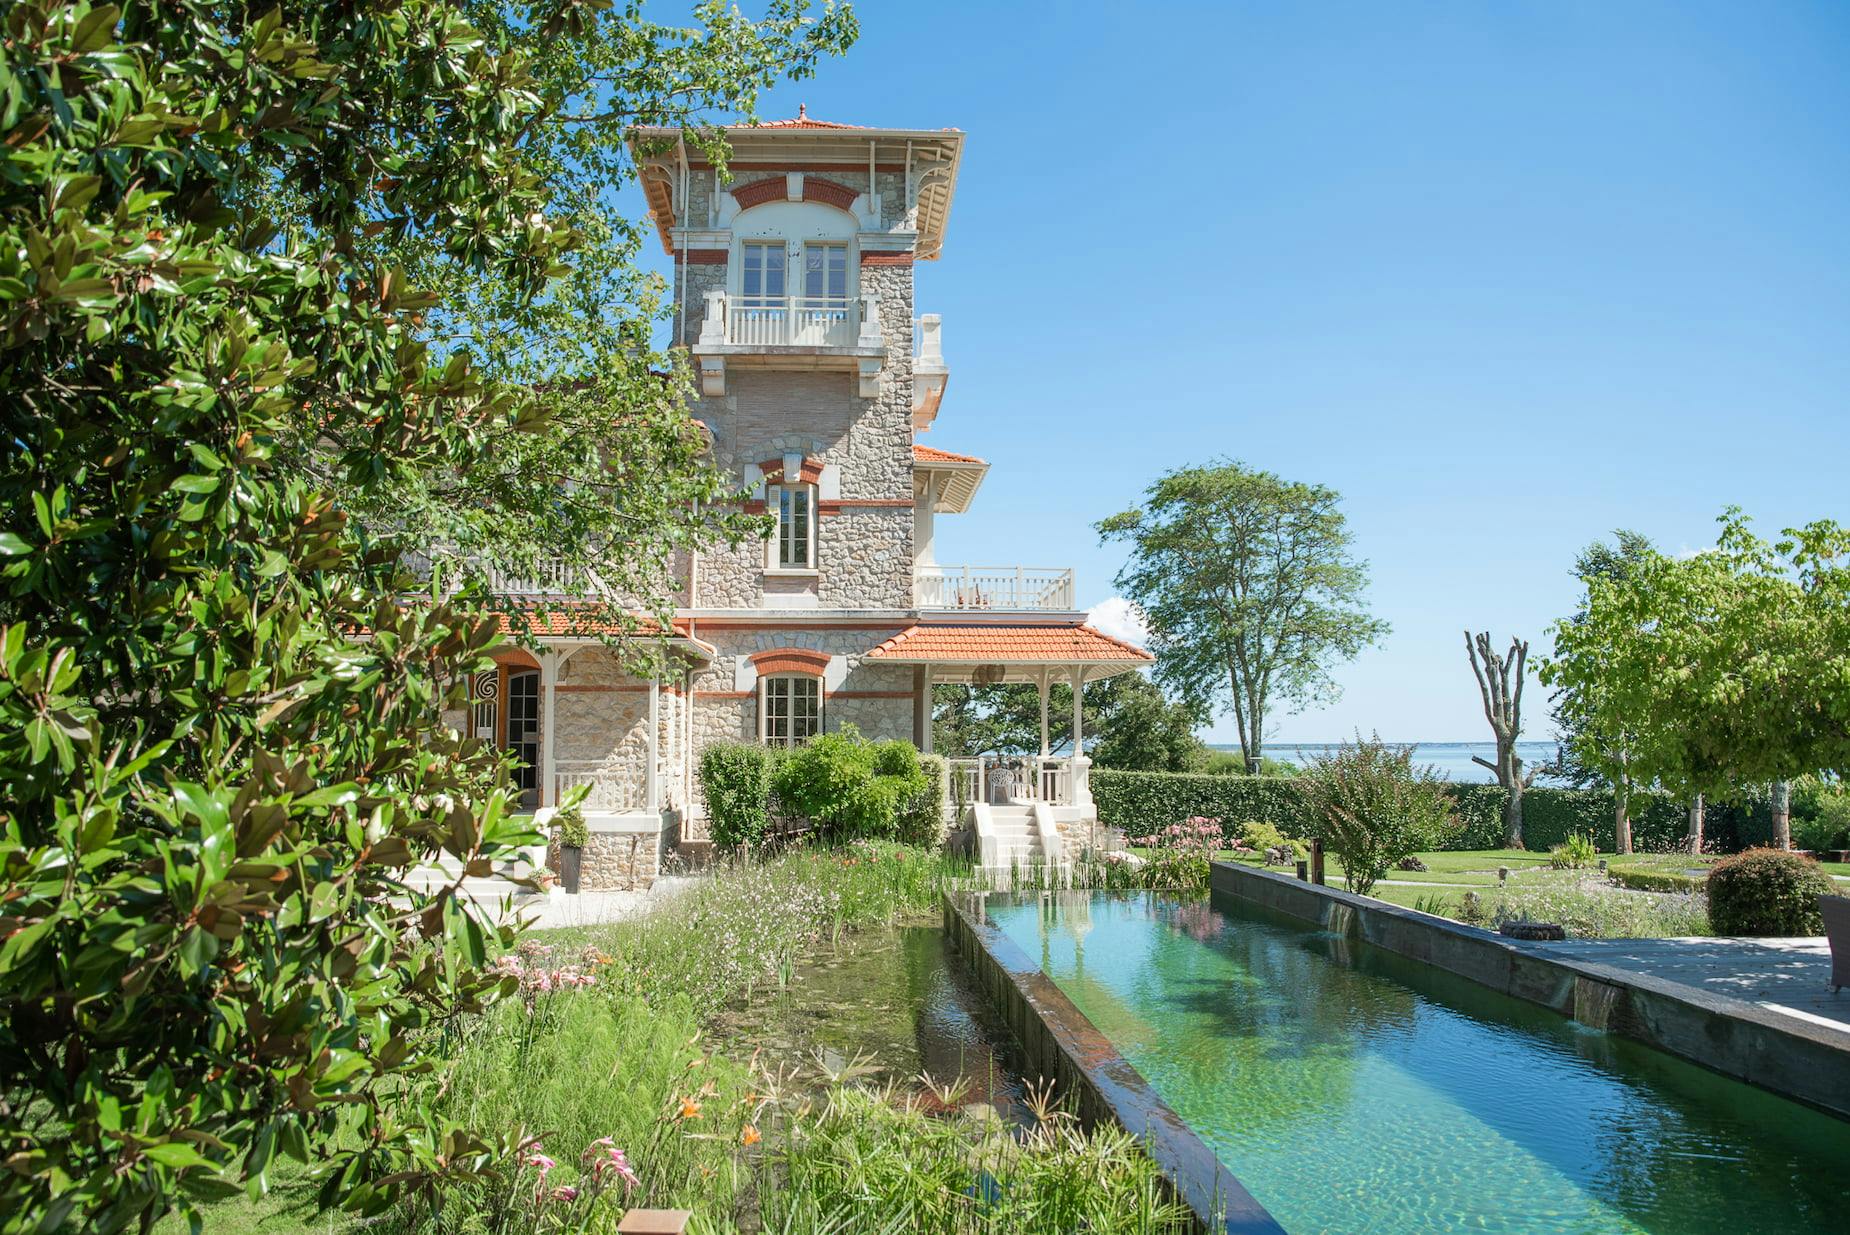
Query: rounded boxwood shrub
x: 1767, y: 892
x: 573, y: 830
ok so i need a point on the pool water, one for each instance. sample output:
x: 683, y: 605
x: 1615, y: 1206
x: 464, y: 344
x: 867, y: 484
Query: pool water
x: 1351, y: 1090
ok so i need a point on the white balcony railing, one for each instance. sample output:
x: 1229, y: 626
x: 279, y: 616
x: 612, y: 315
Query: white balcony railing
x: 610, y: 789
x: 544, y: 579
x: 1027, y: 778
x: 791, y: 321
x: 993, y: 587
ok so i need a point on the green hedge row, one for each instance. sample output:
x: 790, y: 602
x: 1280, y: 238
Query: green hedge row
x: 1141, y: 801
x: 1644, y: 879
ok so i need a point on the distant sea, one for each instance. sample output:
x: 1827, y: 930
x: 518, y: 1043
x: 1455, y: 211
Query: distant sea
x: 1451, y: 760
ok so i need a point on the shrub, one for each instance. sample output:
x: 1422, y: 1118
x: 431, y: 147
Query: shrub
x: 570, y: 821
x: 1373, y: 808
x: 1573, y: 853
x: 1767, y: 892
x: 1260, y: 836
x: 1645, y: 879
x: 850, y: 787
x: 921, y: 822
x: 735, y: 780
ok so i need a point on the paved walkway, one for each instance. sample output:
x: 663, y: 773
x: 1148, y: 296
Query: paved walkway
x: 1786, y: 975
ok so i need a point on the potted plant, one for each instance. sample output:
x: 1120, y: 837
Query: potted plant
x: 573, y: 837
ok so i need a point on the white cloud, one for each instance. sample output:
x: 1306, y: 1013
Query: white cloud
x: 1121, y: 619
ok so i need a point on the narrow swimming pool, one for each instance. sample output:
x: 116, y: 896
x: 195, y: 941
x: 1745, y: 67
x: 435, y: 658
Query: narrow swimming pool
x: 1352, y: 1090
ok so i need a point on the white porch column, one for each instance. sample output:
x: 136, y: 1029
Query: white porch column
x: 548, y: 794
x: 651, y: 777
x: 1046, y: 744
x: 1082, y: 766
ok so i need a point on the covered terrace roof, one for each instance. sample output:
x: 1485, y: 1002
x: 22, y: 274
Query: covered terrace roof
x: 1018, y: 652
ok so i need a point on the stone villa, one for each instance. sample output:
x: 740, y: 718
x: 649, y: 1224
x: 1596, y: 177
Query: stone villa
x: 819, y: 384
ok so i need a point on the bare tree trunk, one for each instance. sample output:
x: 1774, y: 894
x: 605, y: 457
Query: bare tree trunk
x: 1782, y: 814
x: 1499, y: 682
x: 1695, y: 825
x: 1621, y: 815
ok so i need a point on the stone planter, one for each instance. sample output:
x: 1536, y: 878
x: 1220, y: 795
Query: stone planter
x: 570, y: 859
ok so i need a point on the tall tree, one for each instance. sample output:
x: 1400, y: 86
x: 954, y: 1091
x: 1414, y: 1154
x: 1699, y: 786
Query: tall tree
x: 1499, y: 683
x: 1585, y: 749
x: 1129, y: 723
x: 1250, y: 590
x: 1724, y: 670
x: 220, y: 691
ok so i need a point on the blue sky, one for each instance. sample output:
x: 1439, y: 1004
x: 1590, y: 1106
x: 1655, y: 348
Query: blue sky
x: 1507, y: 276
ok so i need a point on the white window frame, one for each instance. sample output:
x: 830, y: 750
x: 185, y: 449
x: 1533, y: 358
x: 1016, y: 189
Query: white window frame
x: 784, y: 694
x: 763, y: 299
x: 825, y: 300
x: 783, y: 537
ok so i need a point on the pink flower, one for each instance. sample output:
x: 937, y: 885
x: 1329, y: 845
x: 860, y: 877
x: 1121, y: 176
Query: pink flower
x: 603, y: 1155
x: 565, y: 1193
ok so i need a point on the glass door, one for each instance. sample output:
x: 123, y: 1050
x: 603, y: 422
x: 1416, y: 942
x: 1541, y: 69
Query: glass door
x: 523, y: 732
x: 825, y: 318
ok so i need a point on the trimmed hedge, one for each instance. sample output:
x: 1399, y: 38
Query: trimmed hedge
x: 735, y: 780
x: 1145, y: 800
x: 921, y: 821
x: 1645, y: 879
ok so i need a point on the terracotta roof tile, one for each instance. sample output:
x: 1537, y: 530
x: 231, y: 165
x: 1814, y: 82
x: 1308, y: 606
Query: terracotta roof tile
x: 931, y: 454
x: 984, y: 643
x: 802, y: 121
x: 569, y: 620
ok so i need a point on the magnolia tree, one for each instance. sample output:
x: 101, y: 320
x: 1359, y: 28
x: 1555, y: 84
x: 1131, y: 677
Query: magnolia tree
x: 229, y: 407
x: 1725, y: 670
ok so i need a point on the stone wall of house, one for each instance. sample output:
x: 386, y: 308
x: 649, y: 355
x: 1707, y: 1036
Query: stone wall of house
x: 864, y: 547
x: 621, y: 858
x: 600, y: 725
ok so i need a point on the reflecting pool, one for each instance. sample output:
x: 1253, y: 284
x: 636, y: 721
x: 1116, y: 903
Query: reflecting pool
x: 1352, y: 1090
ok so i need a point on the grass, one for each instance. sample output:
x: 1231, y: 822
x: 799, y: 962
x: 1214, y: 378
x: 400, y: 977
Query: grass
x: 570, y: 1071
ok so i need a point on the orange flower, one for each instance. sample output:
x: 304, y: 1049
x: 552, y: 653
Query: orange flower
x: 749, y: 1135
x: 690, y: 1109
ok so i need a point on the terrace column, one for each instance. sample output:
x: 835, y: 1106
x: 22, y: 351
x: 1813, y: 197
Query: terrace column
x: 548, y: 794
x: 1082, y: 766
x: 651, y: 775
x: 1046, y: 745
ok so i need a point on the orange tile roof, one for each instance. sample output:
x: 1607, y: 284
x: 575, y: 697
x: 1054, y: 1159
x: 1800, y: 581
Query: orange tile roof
x: 931, y: 454
x: 577, y: 620
x: 978, y: 643
x: 802, y: 121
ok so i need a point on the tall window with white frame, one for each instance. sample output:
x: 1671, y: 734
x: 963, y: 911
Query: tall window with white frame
x: 794, y: 508
x: 789, y: 709
x: 825, y: 275
x: 761, y: 275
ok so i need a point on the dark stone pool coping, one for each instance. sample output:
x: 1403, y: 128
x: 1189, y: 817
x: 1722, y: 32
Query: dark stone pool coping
x: 1787, y: 1055
x: 1087, y: 1070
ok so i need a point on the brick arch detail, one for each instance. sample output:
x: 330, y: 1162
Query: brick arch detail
x: 829, y: 193
x: 758, y: 192
x: 773, y: 471
x: 790, y: 660
x: 776, y: 189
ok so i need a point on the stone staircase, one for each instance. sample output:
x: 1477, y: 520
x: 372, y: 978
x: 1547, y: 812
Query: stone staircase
x: 489, y: 890
x: 1013, y: 838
